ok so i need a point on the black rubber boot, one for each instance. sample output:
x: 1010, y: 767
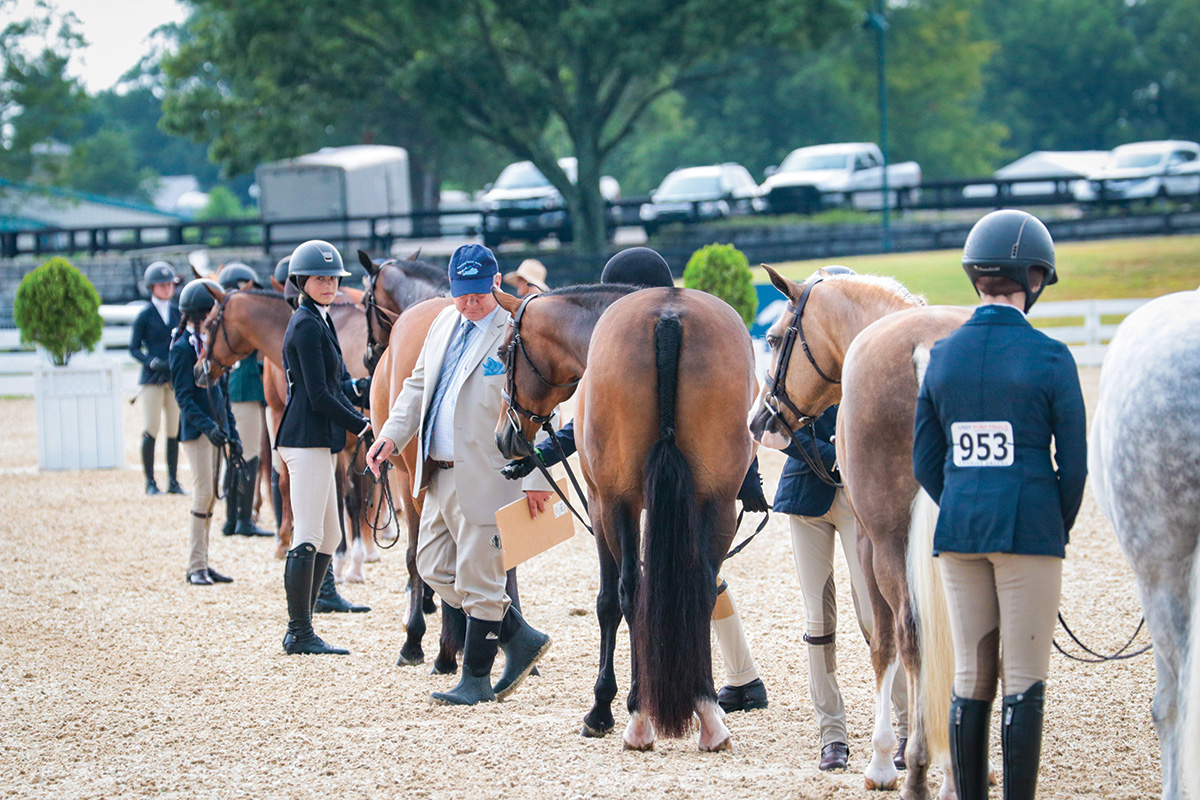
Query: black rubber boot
x: 327, y: 600
x: 298, y: 585
x: 1021, y: 740
x: 232, y: 500
x: 246, y: 527
x: 173, y: 486
x: 276, y: 499
x: 475, y: 686
x: 747, y: 697
x: 148, y: 463
x: 523, y: 647
x: 970, y: 721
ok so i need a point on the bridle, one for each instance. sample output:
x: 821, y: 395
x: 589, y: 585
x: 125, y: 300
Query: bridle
x: 386, y: 319
x: 217, y: 323
x: 777, y: 386
x: 524, y: 448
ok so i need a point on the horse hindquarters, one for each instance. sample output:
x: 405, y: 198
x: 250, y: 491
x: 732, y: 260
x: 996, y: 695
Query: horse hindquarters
x: 675, y: 599
x: 1190, y: 737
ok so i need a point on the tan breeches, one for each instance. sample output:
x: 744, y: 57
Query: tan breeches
x: 314, y: 497
x: 995, y: 599
x: 462, y: 561
x: 157, y: 399
x: 813, y: 541
x: 202, y: 460
x: 248, y: 417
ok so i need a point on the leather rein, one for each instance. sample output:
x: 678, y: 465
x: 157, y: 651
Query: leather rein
x: 526, y: 449
x: 777, y: 387
x: 385, y: 318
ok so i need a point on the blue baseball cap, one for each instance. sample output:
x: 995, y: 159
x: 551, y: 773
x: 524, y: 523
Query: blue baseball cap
x: 473, y: 270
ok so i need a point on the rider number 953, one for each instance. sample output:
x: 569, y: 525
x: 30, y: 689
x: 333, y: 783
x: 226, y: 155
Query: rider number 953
x: 982, y: 444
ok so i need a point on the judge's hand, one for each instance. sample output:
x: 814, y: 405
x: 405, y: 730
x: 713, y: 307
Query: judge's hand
x: 537, y: 501
x: 378, y: 453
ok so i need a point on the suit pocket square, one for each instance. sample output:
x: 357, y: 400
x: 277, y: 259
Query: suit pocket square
x: 492, y: 367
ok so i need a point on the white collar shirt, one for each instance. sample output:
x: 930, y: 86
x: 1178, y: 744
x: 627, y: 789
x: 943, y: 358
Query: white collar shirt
x: 163, y: 307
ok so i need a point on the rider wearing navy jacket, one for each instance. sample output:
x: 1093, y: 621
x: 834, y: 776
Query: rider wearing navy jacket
x: 319, y: 412
x: 744, y: 689
x: 150, y: 345
x: 206, y: 424
x: 995, y: 395
x: 820, y: 514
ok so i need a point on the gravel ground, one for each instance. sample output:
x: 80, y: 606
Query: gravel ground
x: 119, y: 680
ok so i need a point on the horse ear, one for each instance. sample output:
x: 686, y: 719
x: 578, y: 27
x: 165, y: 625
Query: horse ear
x: 367, y: 263
x: 415, y: 256
x: 217, y: 293
x: 789, y: 288
x: 507, y: 301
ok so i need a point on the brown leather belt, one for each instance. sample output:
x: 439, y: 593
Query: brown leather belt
x: 440, y: 464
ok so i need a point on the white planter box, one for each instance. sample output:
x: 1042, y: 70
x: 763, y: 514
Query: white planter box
x: 80, y: 424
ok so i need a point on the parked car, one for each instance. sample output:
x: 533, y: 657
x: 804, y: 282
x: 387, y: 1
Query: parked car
x: 711, y: 192
x: 523, y: 204
x: 1145, y: 170
x: 834, y: 175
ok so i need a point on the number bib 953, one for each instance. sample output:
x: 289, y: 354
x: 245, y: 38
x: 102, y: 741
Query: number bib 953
x: 982, y: 444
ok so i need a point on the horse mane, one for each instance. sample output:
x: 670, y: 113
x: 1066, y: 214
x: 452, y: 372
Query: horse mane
x: 260, y: 293
x: 420, y: 269
x: 592, y: 295
x: 882, y: 284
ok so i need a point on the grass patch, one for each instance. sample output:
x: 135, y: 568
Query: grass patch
x: 1103, y: 269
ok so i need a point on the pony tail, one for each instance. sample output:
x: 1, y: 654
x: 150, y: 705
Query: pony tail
x: 676, y: 595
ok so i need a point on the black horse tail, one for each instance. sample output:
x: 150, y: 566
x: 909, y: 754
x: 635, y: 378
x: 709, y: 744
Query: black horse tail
x: 676, y: 595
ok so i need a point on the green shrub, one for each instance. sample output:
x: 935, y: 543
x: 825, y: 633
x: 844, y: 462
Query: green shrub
x: 722, y: 270
x: 58, y: 308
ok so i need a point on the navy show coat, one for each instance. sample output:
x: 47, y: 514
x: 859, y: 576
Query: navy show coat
x: 319, y: 406
x: 151, y: 339
x: 196, y: 404
x: 800, y: 492
x: 998, y: 370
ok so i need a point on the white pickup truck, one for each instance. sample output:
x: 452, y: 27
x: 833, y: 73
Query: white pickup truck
x: 833, y: 175
x: 1146, y: 170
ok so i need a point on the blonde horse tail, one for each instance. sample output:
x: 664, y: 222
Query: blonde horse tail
x: 932, y: 621
x: 1190, y: 740
x: 931, y: 618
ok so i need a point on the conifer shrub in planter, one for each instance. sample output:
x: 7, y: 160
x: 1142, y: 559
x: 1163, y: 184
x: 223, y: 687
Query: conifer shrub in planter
x: 79, y: 416
x: 722, y: 270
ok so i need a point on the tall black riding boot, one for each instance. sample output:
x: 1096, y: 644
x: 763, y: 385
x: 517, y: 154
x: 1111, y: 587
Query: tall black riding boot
x: 148, y: 462
x: 970, y: 721
x: 1021, y: 739
x: 523, y: 647
x: 276, y: 499
x: 173, y: 486
x: 232, y: 500
x: 249, y: 474
x: 326, y: 599
x: 483, y: 639
x: 298, y: 585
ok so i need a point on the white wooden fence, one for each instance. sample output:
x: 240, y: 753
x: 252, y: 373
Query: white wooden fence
x: 1087, y: 340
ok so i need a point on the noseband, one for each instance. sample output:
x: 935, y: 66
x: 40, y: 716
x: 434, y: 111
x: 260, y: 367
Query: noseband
x: 517, y: 344
x: 777, y: 384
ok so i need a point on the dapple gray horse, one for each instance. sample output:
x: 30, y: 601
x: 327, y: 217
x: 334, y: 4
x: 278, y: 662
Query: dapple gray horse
x: 1144, y: 459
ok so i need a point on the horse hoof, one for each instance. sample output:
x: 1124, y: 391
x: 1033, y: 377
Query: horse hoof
x: 589, y: 732
x: 355, y: 577
x: 638, y: 748
x: 372, y: 557
x: 992, y: 781
x: 443, y: 669
x: 887, y: 786
x: 410, y: 659
x: 724, y: 744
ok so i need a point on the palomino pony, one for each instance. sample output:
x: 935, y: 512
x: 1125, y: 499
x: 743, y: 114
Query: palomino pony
x: 245, y: 321
x: 660, y: 426
x: 1144, y: 459
x: 864, y: 343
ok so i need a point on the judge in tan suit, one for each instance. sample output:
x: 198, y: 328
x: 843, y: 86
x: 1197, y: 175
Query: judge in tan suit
x: 451, y: 403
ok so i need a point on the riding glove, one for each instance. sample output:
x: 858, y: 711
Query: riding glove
x: 160, y: 366
x: 751, y: 493
x: 518, y: 468
x: 216, y: 436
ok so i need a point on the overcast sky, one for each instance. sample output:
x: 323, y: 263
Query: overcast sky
x: 117, y: 32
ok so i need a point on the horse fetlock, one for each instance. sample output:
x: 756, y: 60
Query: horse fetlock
x: 639, y: 733
x: 714, y: 734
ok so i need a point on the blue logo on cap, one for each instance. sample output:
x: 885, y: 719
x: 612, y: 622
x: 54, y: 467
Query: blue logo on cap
x: 469, y: 270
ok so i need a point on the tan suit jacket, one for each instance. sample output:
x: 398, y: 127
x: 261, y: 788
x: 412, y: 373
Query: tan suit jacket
x: 477, y: 461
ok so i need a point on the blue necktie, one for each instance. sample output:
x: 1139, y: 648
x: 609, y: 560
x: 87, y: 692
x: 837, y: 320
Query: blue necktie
x: 454, y: 354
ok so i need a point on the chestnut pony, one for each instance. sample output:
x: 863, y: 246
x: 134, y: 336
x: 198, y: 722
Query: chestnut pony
x: 661, y: 427
x: 864, y: 342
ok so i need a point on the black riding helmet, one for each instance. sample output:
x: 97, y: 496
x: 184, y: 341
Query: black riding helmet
x: 195, y: 300
x: 315, y: 257
x: 281, y: 270
x: 638, y: 266
x: 1007, y: 244
x: 159, y: 272
x: 236, y: 273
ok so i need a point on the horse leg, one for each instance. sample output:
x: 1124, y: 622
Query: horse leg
x: 881, y: 773
x: 285, y: 527
x: 721, y: 523
x: 916, y: 784
x: 639, y: 732
x: 1163, y: 599
x: 411, y: 652
x: 599, y: 720
x: 358, y: 487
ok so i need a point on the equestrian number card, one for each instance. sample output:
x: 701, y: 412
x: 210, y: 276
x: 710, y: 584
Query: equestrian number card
x: 522, y: 537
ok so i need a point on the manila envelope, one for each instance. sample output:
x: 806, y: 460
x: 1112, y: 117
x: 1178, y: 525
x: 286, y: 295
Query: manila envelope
x: 522, y: 537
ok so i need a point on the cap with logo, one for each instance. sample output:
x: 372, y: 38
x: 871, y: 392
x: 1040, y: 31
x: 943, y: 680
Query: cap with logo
x: 472, y: 270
